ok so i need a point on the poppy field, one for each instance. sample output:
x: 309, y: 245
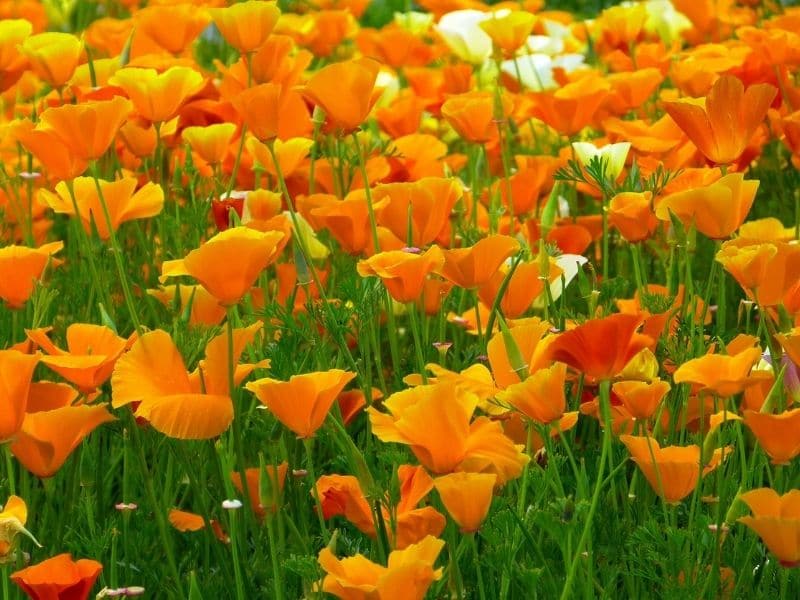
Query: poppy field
x: 390, y: 300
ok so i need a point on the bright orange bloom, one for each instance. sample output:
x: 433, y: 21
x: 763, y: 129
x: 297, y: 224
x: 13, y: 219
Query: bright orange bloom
x: 59, y: 578
x: 641, y: 398
x: 474, y: 266
x: 262, y: 109
x: 139, y: 137
x: 21, y: 267
x: 357, y: 578
x: 572, y: 107
x: 13, y: 517
x: 123, y: 201
x: 402, y: 272
x: 246, y: 25
x: 205, y: 309
x: 172, y: 26
x: 722, y: 123
x: 525, y: 286
x: 229, y: 263
x: 290, y: 154
x: 348, y: 220
x: 345, y: 91
x: 600, y: 348
x: 467, y: 497
x: 720, y: 374
x: 717, y: 210
x: 673, y: 471
x: 510, y: 32
x: 303, y: 402
x: 541, y: 396
x: 631, y: 213
x: 158, y: 96
x: 211, y: 142
x: 16, y: 371
x: 532, y: 344
x: 776, y: 520
x: 434, y: 420
x: 54, y: 154
x: 342, y: 495
x: 92, y: 351
x: 472, y: 115
x: 53, y: 56
x: 791, y: 344
x: 13, y: 62
x: 394, y: 46
x: 265, y: 494
x: 778, y: 435
x: 47, y: 438
x: 766, y: 271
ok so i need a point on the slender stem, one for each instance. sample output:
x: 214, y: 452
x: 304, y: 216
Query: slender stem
x: 309, y: 446
x: 478, y: 572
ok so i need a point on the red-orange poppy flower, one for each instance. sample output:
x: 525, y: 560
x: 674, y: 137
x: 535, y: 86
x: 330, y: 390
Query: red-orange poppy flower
x: 776, y: 520
x: 303, y: 402
x: 778, y: 435
x: 722, y: 123
x: 723, y: 375
x: 402, y: 272
x: 348, y: 220
x: 58, y: 578
x: 600, y: 348
x: 262, y: 109
x: 572, y: 107
x: 631, y: 213
x: 472, y: 115
x: 172, y: 26
x: 541, y: 396
x: 641, y: 398
x: 54, y: 154
x: 47, y: 438
x: 229, y: 263
x: 265, y: 487
x: 158, y: 96
x: 246, y: 25
x: 467, y: 497
x: 16, y: 371
x: 474, y: 266
x: 395, y: 46
x: 21, y: 267
x: 53, y: 56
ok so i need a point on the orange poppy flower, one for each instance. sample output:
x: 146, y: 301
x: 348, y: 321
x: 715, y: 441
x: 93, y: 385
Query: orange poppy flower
x: 776, y: 520
x: 791, y: 344
x: 139, y: 137
x: 720, y: 374
x: 527, y: 185
x: 123, y: 201
x: 509, y: 32
x: 410, y: 570
x: 717, y: 210
x: 631, y: 213
x: 229, y: 263
x: 262, y: 109
x: 532, y: 344
x: 158, y: 96
x: 54, y: 154
x: 172, y: 26
x: 394, y: 46
x: 246, y: 25
x: 59, y: 578
x: 205, y: 310
x: 303, y: 402
x: 722, y: 123
x: 467, y: 497
x: 474, y: 266
x: 13, y: 62
x: 21, y: 267
x: 47, y: 438
x: 472, y: 115
x: 16, y: 371
x: 184, y: 521
x: 525, y: 286
x: 92, y: 351
x: 402, y: 272
x: 778, y: 435
x: 600, y: 348
x: 641, y: 398
x: 53, y: 56
x: 264, y: 495
x: 673, y: 471
x: 572, y: 107
x: 631, y: 90
x: 13, y: 517
x: 342, y: 495
x: 348, y: 220
x: 345, y: 91
x: 434, y: 420
x: 290, y: 154
x: 210, y: 142
x: 541, y: 396
x: 766, y: 271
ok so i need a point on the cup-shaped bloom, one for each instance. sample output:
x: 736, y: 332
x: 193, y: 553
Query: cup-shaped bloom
x: 265, y: 487
x: 87, y: 128
x: 612, y: 156
x: 16, y: 371
x: 210, y: 142
x: 600, y: 348
x: 467, y: 497
x: 717, y: 210
x: 47, y: 438
x: 92, y: 351
x: 172, y: 26
x: 720, y: 374
x: 526, y: 284
x: 778, y: 435
x: 410, y: 570
x: 53, y: 56
x: 246, y: 25
x: 123, y: 201
x: 54, y: 154
x: 158, y: 96
x: 722, y: 123
x: 532, y: 344
x: 509, y: 32
x: 345, y: 91
x: 631, y: 213
x: 572, y: 107
x: 766, y: 271
x: 229, y: 263
x: 541, y: 396
x: 13, y: 517
x: 302, y: 403
x: 641, y: 398
x: 261, y: 109
x: 58, y: 578
x: 348, y: 220
x: 776, y: 520
x: 474, y: 266
x: 205, y: 309
x: 472, y: 115
x: 791, y: 344
x: 20, y: 268
x: 673, y: 471
x: 403, y: 273
x: 462, y: 33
